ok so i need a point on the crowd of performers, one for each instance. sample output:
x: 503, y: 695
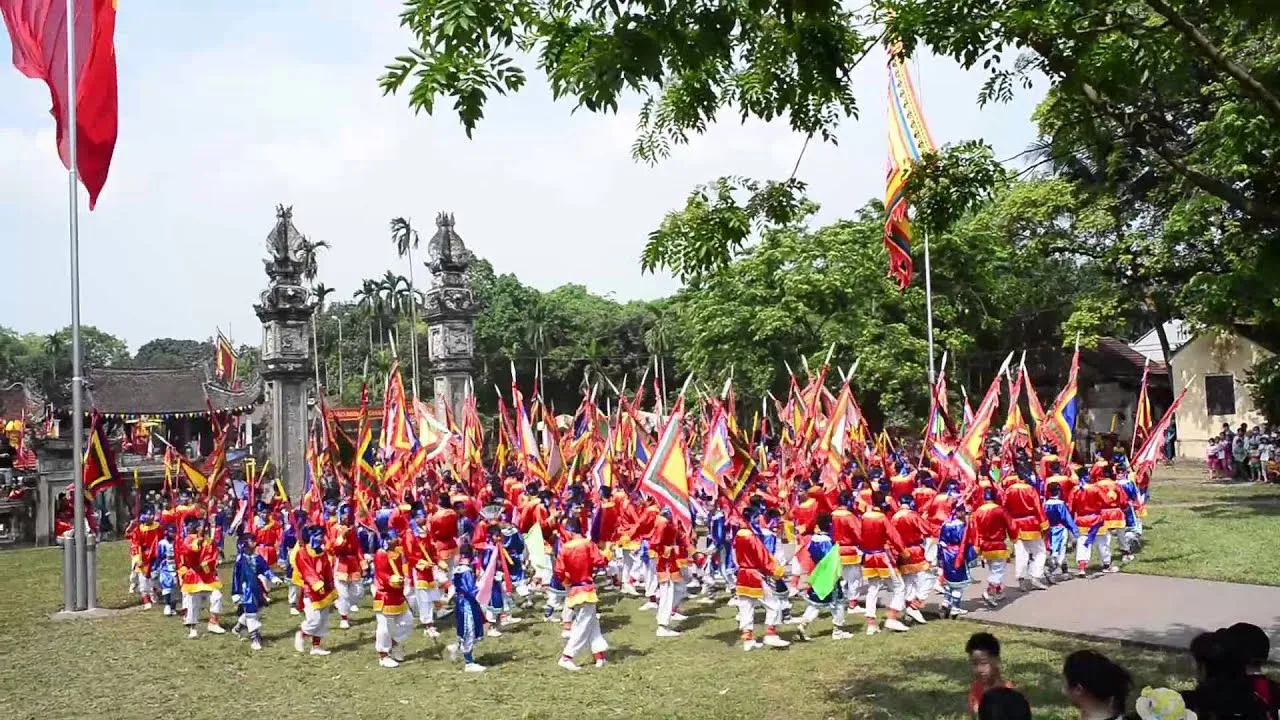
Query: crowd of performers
x: 824, y: 515
x: 444, y: 550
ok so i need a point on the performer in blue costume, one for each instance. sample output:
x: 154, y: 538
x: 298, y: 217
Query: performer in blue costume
x: 820, y: 543
x: 1062, y: 527
x: 288, y: 541
x: 164, y: 569
x: 468, y: 617
x: 955, y: 555
x: 248, y: 588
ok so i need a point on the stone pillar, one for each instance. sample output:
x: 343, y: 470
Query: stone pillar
x: 287, y: 366
x: 451, y: 311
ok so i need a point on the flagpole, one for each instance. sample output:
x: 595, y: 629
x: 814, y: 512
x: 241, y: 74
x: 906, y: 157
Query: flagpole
x: 928, y: 304
x: 77, y: 399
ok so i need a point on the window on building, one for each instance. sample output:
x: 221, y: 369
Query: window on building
x: 1220, y: 394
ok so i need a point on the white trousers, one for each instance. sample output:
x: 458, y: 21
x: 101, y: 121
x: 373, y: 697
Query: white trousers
x: 893, y: 583
x: 931, y: 551
x: 838, y: 611
x: 250, y: 621
x: 348, y: 595
x: 144, y: 587
x: 651, y: 577
x: 666, y: 602
x: 918, y: 585
x: 585, y: 632
x: 1102, y: 542
x: 852, y: 575
x: 747, y: 610
x: 195, y: 603
x: 391, y: 629
x: 1029, y: 552
x: 425, y: 601
x: 995, y: 572
x: 315, y: 621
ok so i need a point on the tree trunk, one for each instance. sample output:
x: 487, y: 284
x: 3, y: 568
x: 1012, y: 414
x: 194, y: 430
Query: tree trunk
x: 1164, y: 348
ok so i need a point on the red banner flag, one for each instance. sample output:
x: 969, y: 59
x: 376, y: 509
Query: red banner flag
x: 99, y: 466
x: 38, y: 32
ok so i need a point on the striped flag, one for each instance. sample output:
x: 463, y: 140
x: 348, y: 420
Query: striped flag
x: 666, y: 476
x: 909, y: 140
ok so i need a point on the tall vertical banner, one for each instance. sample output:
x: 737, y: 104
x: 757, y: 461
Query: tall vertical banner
x: 909, y: 140
x: 224, y: 360
x: 38, y: 33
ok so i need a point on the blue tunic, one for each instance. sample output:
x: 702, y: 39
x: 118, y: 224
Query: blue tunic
x: 246, y: 581
x: 164, y: 566
x: 468, y: 618
x: 951, y: 543
x: 1061, y: 524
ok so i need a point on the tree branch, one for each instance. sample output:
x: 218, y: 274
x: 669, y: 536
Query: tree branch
x: 1251, y: 84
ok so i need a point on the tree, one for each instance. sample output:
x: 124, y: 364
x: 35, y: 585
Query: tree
x: 172, y: 353
x: 308, y: 254
x: 322, y: 292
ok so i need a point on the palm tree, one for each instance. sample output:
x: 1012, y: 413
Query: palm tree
x: 595, y: 362
x: 538, y: 324
x: 308, y: 255
x: 369, y: 298
x: 657, y: 340
x: 321, y: 292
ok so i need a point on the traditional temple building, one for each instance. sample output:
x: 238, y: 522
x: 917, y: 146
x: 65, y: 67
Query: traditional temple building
x: 143, y: 408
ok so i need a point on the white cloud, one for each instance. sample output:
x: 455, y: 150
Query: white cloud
x: 226, y: 112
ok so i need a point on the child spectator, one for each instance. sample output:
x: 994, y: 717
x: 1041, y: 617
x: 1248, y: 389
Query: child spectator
x: 1096, y: 686
x: 1254, y: 646
x: 1004, y: 704
x: 983, y: 650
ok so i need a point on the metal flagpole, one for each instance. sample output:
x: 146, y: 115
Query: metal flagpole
x: 413, y: 304
x: 928, y: 305
x: 77, y: 399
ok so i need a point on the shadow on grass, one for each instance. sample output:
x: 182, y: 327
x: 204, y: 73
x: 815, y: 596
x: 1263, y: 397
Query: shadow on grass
x: 614, y: 621
x: 622, y: 652
x: 1238, y: 508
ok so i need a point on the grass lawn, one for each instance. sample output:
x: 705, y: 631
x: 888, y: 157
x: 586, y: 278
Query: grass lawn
x: 1215, y: 531
x: 140, y: 665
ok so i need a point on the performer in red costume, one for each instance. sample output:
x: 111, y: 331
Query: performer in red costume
x: 576, y: 564
x: 391, y: 608
x: 315, y: 567
x: 759, y: 583
x: 880, y: 546
x: 201, y: 586
x: 992, y: 530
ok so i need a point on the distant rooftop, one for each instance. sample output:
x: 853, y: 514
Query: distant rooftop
x: 1178, y: 332
x: 164, y: 391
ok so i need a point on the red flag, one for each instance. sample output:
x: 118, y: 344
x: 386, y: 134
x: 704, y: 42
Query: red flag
x: 99, y: 466
x: 37, y: 30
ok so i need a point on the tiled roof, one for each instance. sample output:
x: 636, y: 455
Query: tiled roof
x: 1121, y: 349
x: 160, y: 391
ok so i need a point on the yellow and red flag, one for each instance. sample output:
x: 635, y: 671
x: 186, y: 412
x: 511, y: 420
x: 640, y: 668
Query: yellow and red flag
x: 909, y: 140
x: 99, y: 467
x: 666, y: 476
x: 225, y: 360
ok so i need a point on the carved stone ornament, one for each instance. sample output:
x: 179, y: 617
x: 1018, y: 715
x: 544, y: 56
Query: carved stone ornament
x: 446, y: 252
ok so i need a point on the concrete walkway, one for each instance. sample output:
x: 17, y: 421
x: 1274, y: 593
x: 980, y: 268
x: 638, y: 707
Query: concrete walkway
x: 1146, y: 609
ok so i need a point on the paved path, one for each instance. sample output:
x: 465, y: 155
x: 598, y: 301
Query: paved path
x: 1147, y: 609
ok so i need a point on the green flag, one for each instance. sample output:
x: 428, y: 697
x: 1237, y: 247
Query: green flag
x: 537, y: 549
x: 826, y: 574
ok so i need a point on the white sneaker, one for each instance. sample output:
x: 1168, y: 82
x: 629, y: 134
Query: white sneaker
x: 678, y: 617
x: 840, y: 634
x: 255, y: 645
x: 749, y: 645
x: 989, y: 599
x: 733, y: 601
x: 397, y: 652
x: 568, y: 664
x: 706, y: 600
x: 916, y: 615
x: 958, y: 611
x: 775, y: 641
x: 146, y: 605
x: 564, y: 634
x: 344, y: 624
x: 629, y: 590
x: 601, y: 663
x: 294, y: 611
x: 492, y: 632
x: 649, y: 605
x: 353, y: 609
x: 872, y: 629
x: 895, y: 625
x: 320, y: 651
x: 509, y: 620
x: 299, y: 642
x: 388, y: 662
x: 667, y: 632
x: 168, y: 611
x: 216, y: 629
x: 431, y: 632
x: 192, y: 634
x: 473, y: 668
x: 452, y: 649
x: 857, y: 610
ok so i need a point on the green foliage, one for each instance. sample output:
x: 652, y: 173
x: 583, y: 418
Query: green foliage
x: 172, y: 353
x: 1264, y: 388
x: 45, y: 360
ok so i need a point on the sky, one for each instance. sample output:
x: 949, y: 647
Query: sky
x: 227, y: 109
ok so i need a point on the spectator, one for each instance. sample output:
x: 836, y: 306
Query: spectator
x: 1170, y: 442
x: 1254, y: 647
x: 983, y: 650
x: 1096, y: 686
x: 1004, y: 704
x: 1223, y: 690
x: 1240, y: 453
x: 8, y: 454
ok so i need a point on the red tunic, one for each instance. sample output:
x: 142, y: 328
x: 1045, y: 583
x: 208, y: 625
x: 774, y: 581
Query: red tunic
x: 878, y: 539
x: 1022, y: 502
x: 641, y: 529
x: 805, y: 515
x: 609, y: 528
x: 900, y: 485
x: 923, y: 497
x: 663, y: 546
x: 144, y: 539
x: 1114, y: 500
x: 199, y: 561
x: 1086, y: 505
x: 846, y: 532
x: 754, y: 564
x: 267, y: 537
x: 316, y: 571
x: 576, y: 564
x: 444, y: 532
x: 911, y: 528
x: 420, y: 554
x: 389, y: 573
x: 992, y: 529
x: 348, y: 556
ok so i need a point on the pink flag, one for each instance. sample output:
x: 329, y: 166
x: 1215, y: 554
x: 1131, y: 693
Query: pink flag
x: 484, y: 588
